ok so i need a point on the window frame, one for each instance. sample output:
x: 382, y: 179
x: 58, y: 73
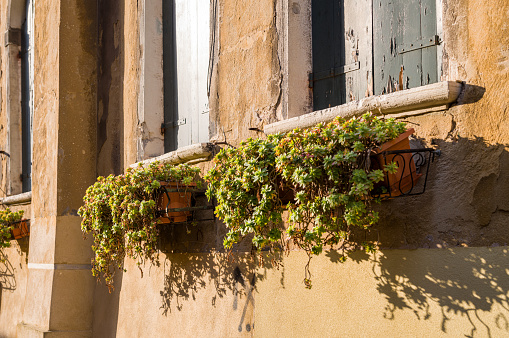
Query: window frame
x: 150, y: 131
x: 295, y: 52
x: 19, y: 160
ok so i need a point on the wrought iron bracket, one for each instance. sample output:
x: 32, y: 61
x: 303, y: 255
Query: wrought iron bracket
x: 406, y: 182
x: 192, y: 207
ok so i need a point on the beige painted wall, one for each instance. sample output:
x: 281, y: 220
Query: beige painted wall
x: 396, y: 293
x: 443, y: 265
x: 448, y: 284
x: 13, y: 281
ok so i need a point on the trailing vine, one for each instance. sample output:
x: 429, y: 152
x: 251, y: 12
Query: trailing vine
x: 327, y: 167
x: 7, y: 218
x: 120, y: 213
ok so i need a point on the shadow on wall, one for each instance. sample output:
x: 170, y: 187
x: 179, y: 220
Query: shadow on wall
x: 7, y: 278
x: 193, y: 263
x: 460, y: 282
x: 186, y: 275
x: 470, y: 94
x: 465, y: 203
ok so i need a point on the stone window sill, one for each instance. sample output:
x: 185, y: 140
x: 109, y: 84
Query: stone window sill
x: 192, y: 154
x: 410, y: 102
x: 24, y: 198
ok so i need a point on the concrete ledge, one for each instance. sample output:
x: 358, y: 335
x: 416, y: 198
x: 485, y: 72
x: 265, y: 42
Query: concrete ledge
x: 194, y: 153
x: 408, y: 102
x: 24, y: 198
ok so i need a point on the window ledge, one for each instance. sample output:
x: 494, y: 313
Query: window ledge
x: 192, y: 154
x: 24, y: 198
x: 415, y: 101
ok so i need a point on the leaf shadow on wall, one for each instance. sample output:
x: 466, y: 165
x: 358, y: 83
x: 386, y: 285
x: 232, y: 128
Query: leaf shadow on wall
x: 461, y: 283
x: 7, y: 277
x: 465, y: 205
x: 193, y: 264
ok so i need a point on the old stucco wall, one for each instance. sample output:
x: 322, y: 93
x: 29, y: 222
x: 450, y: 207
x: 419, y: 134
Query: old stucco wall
x: 466, y: 204
x: 248, y: 88
x: 3, y: 95
x: 131, y: 80
x: 13, y: 281
x: 13, y: 260
x: 110, y: 64
x: 59, y: 285
x: 434, y: 274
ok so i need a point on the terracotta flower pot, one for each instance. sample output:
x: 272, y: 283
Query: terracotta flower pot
x: 406, y: 177
x: 21, y: 229
x: 175, y: 200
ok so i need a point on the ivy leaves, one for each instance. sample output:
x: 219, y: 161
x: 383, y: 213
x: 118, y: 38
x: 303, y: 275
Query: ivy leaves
x: 120, y: 213
x: 7, y: 218
x: 328, y: 169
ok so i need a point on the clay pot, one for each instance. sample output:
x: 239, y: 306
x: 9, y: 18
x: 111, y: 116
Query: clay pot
x: 21, y: 229
x: 175, y: 200
x: 406, y: 177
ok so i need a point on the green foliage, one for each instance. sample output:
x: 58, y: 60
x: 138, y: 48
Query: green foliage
x: 244, y: 181
x: 120, y: 213
x: 7, y: 218
x: 328, y: 169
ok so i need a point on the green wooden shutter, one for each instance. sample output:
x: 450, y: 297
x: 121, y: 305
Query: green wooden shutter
x: 405, y: 44
x: 341, y: 42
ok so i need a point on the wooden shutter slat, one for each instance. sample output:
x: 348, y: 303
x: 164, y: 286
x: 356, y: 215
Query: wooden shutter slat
x: 342, y: 43
x: 429, y: 29
x: 400, y: 26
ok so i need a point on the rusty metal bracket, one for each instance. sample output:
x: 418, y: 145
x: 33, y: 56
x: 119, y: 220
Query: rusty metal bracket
x: 333, y: 72
x: 419, y: 44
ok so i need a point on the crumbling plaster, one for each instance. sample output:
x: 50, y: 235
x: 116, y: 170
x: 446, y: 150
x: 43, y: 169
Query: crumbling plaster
x: 248, y: 91
x: 465, y: 202
x: 465, y: 185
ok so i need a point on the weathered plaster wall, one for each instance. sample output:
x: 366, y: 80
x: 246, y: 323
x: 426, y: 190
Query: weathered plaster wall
x: 461, y: 290
x: 451, y: 284
x: 397, y: 293
x: 466, y: 200
x: 13, y: 281
x: 110, y: 119
x: 59, y: 285
x: 132, y: 68
x: 3, y: 95
x: 13, y: 260
x: 248, y: 89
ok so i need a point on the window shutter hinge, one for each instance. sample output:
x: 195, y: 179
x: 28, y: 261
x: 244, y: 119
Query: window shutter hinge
x: 177, y: 123
x: 333, y: 72
x: 419, y: 44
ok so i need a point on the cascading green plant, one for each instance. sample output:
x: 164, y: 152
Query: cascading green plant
x: 7, y: 218
x: 120, y: 213
x: 327, y: 167
x: 244, y: 181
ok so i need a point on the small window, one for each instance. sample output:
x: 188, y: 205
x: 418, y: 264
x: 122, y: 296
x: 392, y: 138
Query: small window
x: 186, y: 30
